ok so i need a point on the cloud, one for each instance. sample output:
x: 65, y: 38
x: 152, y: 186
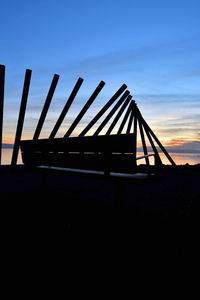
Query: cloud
x: 183, y: 146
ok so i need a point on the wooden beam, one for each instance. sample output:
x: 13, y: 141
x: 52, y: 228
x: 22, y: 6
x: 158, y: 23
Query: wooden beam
x: 46, y: 106
x: 66, y: 107
x: 157, y: 157
x: 85, y: 108
x: 111, y: 113
x: 2, y: 84
x: 102, y: 111
x: 157, y: 140
x: 143, y: 143
x: 21, y: 116
x: 125, y: 118
x: 135, y: 136
x: 130, y: 122
x: 119, y: 115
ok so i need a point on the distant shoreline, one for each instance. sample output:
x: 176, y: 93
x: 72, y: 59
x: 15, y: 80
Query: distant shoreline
x: 140, y: 149
x: 7, y: 146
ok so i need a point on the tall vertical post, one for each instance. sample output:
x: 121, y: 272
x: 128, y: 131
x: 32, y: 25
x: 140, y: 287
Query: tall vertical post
x: 2, y: 82
x: 46, y: 107
x: 21, y: 116
x: 135, y: 137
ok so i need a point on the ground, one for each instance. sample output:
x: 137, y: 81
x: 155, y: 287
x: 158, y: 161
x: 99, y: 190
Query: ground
x: 99, y: 231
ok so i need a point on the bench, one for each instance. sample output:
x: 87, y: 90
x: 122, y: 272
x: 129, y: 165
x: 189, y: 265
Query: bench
x: 107, y: 153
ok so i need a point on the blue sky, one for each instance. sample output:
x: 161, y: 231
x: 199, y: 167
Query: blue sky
x: 152, y: 46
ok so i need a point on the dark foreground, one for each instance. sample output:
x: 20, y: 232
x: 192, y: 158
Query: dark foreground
x: 99, y: 237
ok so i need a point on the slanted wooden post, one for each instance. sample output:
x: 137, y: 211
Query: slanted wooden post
x: 135, y: 136
x: 66, y: 107
x: 143, y: 143
x: 21, y: 116
x: 85, y: 108
x: 111, y: 113
x: 130, y: 122
x: 103, y: 110
x: 114, y: 122
x: 125, y: 118
x: 157, y: 141
x: 46, y: 107
x: 2, y: 83
x: 157, y: 157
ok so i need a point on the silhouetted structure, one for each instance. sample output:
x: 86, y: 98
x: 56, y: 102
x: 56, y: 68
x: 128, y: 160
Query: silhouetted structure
x: 108, y: 152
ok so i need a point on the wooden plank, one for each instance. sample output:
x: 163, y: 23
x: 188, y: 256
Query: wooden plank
x: 103, y: 110
x: 2, y: 84
x: 46, y: 106
x: 85, y: 108
x: 114, y: 122
x: 66, y: 107
x: 21, y: 116
x: 125, y: 118
x: 111, y: 113
x: 109, y: 143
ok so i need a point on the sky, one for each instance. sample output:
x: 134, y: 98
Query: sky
x: 151, y: 46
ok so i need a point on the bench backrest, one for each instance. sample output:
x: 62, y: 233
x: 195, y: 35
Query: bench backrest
x: 108, y: 152
x: 123, y: 143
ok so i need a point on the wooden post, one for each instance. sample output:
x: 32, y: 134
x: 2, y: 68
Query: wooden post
x: 102, y: 111
x: 111, y: 113
x: 157, y: 157
x: 85, y: 108
x: 130, y: 122
x: 118, y: 115
x: 46, y: 107
x: 2, y: 83
x: 143, y: 143
x: 21, y: 116
x: 66, y: 108
x: 135, y: 138
x: 158, y: 142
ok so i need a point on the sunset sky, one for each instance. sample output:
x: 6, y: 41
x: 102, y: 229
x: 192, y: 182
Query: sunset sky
x: 152, y: 46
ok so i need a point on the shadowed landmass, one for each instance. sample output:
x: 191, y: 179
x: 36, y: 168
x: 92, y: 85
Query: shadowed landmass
x: 94, y: 230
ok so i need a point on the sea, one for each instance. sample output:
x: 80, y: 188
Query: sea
x: 179, y: 158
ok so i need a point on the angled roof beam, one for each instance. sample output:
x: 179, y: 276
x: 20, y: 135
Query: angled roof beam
x: 85, y: 108
x: 46, y: 107
x: 102, y: 111
x: 66, y: 107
